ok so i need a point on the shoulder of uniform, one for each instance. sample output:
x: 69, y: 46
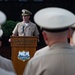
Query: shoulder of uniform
x: 19, y: 23
x: 32, y: 23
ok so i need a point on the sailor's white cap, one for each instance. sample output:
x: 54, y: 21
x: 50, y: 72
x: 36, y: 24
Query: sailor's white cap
x: 2, y: 21
x: 2, y: 17
x: 54, y: 18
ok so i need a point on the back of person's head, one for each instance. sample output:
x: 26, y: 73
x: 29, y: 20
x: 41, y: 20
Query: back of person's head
x: 55, y: 21
x: 2, y: 21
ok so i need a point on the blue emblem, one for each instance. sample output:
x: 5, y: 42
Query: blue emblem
x: 23, y: 55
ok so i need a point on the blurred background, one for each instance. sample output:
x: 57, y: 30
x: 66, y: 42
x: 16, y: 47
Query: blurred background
x: 12, y: 9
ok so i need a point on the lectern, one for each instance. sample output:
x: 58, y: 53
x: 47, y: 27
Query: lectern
x: 23, y: 48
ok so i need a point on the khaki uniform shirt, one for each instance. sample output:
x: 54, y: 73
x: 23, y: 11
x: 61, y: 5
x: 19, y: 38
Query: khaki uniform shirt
x: 6, y: 64
x: 59, y: 59
x: 22, y: 30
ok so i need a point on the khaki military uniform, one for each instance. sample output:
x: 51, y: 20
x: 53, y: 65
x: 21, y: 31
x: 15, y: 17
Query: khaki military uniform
x: 6, y: 64
x: 59, y: 59
x: 22, y: 30
x: 41, y: 51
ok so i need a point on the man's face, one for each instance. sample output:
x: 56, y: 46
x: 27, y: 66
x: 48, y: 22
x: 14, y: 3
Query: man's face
x: 26, y: 18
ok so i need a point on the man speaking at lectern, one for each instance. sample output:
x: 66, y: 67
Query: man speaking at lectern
x: 26, y: 27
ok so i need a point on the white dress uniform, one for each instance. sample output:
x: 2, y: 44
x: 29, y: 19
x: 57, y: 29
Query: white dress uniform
x: 6, y: 64
x: 4, y: 72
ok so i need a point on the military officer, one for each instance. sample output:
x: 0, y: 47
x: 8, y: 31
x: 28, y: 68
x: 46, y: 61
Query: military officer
x: 58, y: 57
x: 26, y: 27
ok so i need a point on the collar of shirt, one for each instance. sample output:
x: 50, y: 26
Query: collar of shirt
x: 26, y: 24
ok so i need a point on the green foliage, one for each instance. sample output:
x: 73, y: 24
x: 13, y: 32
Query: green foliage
x: 8, y: 27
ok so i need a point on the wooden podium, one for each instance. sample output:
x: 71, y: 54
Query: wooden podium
x: 20, y: 45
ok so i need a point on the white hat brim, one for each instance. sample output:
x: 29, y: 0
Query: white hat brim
x: 54, y: 18
x: 2, y: 17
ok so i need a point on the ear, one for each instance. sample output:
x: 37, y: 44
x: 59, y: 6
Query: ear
x: 45, y: 37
